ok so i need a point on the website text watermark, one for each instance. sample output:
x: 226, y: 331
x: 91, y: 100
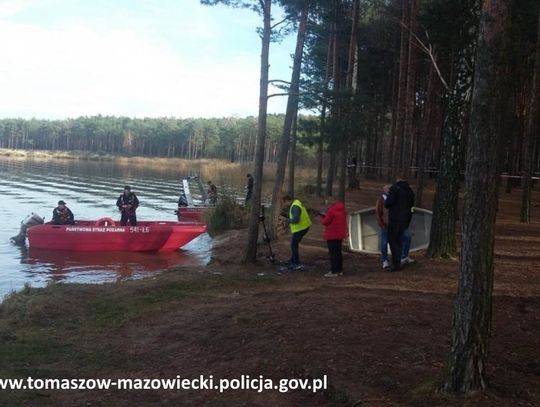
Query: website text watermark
x: 179, y: 383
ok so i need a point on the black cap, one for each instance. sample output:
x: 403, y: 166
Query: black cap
x: 127, y: 187
x: 60, y: 202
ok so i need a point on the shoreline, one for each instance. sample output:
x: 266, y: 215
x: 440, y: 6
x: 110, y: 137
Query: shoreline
x: 210, y: 167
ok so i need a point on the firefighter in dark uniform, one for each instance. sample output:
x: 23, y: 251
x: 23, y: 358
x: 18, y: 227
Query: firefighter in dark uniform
x: 212, y: 193
x: 182, y: 203
x: 62, y: 215
x: 127, y: 204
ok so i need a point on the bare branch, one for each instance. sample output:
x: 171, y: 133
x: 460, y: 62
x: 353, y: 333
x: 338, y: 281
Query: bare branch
x: 282, y: 94
x: 279, y: 80
x: 278, y: 23
x: 429, y: 51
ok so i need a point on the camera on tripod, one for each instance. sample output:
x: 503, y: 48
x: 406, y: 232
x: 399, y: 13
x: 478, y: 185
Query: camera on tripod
x: 261, y: 214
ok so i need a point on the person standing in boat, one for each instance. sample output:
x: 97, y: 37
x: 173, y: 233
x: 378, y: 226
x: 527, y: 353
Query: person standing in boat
x: 182, y: 203
x: 62, y: 215
x: 127, y: 204
x: 212, y: 193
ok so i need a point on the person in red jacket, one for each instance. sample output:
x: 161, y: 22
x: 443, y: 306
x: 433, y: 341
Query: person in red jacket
x: 335, y: 230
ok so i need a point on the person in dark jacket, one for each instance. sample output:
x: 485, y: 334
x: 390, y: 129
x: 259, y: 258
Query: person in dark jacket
x: 381, y: 213
x: 249, y: 188
x: 399, y: 203
x: 335, y: 230
x: 128, y: 203
x: 182, y: 203
x: 211, y: 193
x: 62, y: 215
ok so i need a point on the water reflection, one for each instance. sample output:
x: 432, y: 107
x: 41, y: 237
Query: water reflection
x: 84, y: 267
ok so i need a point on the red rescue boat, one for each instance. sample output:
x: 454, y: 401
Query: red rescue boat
x: 105, y: 235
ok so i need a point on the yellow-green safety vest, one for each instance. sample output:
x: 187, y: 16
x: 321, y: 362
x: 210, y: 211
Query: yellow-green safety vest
x: 304, y: 222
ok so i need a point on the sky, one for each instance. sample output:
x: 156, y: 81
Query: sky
x: 137, y: 58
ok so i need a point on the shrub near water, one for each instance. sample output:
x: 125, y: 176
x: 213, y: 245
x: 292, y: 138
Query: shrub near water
x: 228, y: 214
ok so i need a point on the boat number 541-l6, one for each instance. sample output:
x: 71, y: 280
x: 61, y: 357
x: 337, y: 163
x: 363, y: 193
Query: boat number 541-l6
x: 139, y: 229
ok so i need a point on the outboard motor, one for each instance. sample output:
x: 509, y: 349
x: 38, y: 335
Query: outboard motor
x: 31, y: 220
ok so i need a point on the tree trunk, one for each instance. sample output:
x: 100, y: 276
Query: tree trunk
x: 427, y: 129
x: 290, y: 114
x: 397, y: 152
x: 350, y: 80
x: 250, y: 254
x: 442, y: 241
x: 330, y: 173
x: 292, y: 156
x: 335, y: 140
x: 466, y: 366
x: 342, y: 174
x: 320, y: 148
x: 529, y: 139
x: 391, y: 144
x: 410, y: 94
x: 322, y: 132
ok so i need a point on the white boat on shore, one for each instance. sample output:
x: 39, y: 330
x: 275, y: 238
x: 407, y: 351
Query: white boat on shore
x: 364, y: 232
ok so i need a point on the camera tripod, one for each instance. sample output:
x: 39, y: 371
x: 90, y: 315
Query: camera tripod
x: 270, y: 256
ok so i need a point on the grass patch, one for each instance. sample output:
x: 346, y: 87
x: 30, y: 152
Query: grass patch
x: 70, y: 326
x: 71, y: 331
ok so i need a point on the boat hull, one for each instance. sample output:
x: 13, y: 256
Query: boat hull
x: 192, y: 213
x: 87, y: 236
x: 364, y: 232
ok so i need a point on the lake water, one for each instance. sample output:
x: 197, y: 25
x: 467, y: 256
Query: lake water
x: 90, y: 190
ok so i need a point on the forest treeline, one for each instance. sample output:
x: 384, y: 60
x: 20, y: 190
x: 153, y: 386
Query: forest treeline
x: 221, y: 138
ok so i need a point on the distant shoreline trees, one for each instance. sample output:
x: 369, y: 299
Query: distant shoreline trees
x: 230, y: 138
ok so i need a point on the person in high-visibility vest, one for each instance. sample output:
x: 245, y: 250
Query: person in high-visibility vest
x: 299, y: 222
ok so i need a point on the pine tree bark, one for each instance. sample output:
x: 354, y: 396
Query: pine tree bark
x: 350, y: 79
x: 530, y: 133
x: 335, y: 138
x: 410, y: 95
x: 442, y: 242
x: 323, y: 131
x: 290, y: 114
x: 466, y: 365
x: 320, y: 150
x: 331, y: 171
x: 292, y: 156
x: 397, y: 151
x: 342, y: 174
x: 250, y: 254
x: 391, y: 144
x: 427, y: 129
